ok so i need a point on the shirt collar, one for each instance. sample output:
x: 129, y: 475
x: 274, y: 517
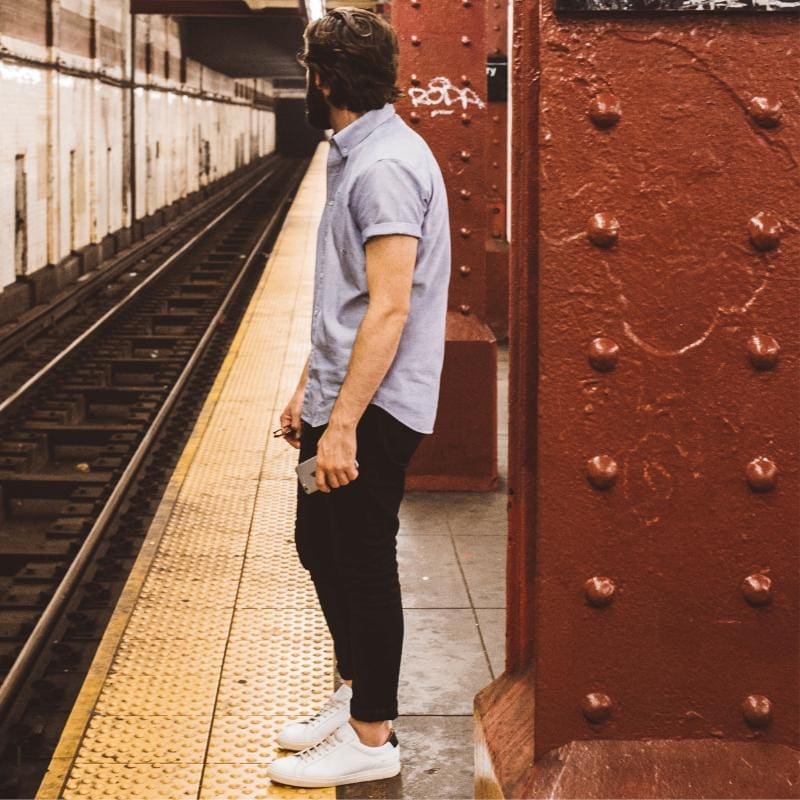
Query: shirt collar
x: 354, y: 133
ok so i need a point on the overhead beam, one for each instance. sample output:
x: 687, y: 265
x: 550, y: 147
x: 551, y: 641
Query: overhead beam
x: 213, y: 8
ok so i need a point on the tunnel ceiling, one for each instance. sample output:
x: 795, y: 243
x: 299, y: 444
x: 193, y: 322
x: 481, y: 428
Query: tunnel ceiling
x: 262, y: 46
x: 230, y: 37
x: 242, y: 38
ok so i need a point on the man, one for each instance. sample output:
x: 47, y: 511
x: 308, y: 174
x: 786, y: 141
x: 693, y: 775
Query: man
x: 369, y: 390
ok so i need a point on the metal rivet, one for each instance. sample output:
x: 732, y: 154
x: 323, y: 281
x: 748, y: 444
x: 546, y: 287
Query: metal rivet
x: 757, y: 589
x: 466, y: 3
x: 416, y: 41
x: 464, y: 308
x: 465, y: 155
x: 465, y: 81
x: 465, y: 194
x: 766, y: 111
x: 465, y: 233
x: 765, y: 231
x: 605, y: 110
x: 415, y: 117
x: 602, y: 471
x: 466, y: 41
x: 603, y: 229
x: 415, y: 4
x: 415, y: 81
x: 495, y: 118
x: 763, y: 351
x: 464, y: 270
x: 757, y: 710
x: 603, y: 353
x: 465, y: 119
x: 599, y: 591
x: 596, y: 707
x: 762, y: 474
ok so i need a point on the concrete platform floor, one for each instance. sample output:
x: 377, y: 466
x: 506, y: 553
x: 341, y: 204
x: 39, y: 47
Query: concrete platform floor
x: 451, y: 552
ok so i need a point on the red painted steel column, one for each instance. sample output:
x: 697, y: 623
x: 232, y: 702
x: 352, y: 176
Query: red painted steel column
x: 496, y: 171
x: 443, y: 72
x: 653, y: 554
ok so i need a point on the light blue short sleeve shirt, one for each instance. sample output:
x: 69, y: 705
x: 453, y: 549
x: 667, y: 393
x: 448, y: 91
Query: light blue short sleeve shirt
x: 382, y: 179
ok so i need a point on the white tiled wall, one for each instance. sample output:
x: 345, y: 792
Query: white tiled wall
x: 73, y: 131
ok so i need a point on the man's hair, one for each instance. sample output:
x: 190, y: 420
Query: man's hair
x: 355, y: 54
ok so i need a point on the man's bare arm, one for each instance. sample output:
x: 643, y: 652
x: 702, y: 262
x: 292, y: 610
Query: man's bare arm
x: 390, y: 264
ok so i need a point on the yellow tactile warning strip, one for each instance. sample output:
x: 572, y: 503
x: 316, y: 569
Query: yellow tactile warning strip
x: 217, y: 640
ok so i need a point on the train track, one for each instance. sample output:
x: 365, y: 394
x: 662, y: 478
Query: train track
x: 88, y: 436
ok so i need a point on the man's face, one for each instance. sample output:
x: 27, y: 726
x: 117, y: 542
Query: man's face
x: 318, y: 112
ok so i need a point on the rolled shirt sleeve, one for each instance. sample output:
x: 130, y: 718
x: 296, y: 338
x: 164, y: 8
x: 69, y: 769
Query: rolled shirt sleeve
x: 387, y: 198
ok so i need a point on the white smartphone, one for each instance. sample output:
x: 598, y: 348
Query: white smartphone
x: 307, y: 474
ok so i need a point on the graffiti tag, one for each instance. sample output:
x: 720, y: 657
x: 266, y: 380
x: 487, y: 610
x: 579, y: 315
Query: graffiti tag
x: 441, y: 92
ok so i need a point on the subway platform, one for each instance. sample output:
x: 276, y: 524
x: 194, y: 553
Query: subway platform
x: 217, y: 640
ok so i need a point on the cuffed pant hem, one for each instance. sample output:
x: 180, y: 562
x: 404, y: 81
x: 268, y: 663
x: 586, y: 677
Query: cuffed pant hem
x: 372, y: 714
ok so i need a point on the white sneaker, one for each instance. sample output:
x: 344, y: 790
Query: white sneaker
x: 339, y: 758
x: 299, y: 735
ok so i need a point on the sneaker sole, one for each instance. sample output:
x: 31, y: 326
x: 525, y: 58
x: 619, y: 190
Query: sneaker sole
x: 356, y: 777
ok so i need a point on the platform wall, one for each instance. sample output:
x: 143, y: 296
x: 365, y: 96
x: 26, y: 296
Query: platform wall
x: 65, y: 145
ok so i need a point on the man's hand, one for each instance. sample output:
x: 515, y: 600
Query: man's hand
x: 336, y: 458
x: 290, y: 420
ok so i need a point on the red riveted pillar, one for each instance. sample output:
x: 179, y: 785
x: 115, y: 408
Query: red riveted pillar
x: 443, y: 72
x: 654, y: 350
x: 496, y: 168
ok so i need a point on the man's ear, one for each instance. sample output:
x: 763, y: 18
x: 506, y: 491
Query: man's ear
x: 320, y: 85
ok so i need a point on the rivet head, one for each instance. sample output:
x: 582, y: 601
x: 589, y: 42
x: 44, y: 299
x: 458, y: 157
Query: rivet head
x: 603, y: 229
x: 464, y: 269
x: 416, y: 41
x: 602, y: 471
x: 465, y: 81
x: 415, y: 117
x: 605, y: 110
x: 603, y: 353
x: 415, y: 81
x: 415, y: 4
x: 465, y: 155
x: 465, y: 233
x: 596, y: 707
x: 757, y: 589
x: 466, y: 3
x: 466, y: 41
x: 464, y: 308
x: 766, y: 111
x: 465, y: 194
x: 757, y: 710
x: 465, y: 119
x: 599, y: 591
x: 765, y: 231
x: 762, y: 474
x: 763, y: 351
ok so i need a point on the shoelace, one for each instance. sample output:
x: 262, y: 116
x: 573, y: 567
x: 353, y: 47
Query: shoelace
x: 319, y: 749
x: 330, y: 707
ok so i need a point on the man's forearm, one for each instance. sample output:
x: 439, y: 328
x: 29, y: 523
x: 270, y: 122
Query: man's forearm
x: 374, y: 350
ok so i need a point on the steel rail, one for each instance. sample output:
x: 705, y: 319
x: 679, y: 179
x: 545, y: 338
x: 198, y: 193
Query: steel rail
x: 34, y: 322
x: 15, y: 396
x: 50, y: 615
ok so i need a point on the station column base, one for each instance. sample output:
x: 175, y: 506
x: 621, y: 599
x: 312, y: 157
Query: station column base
x: 461, y: 453
x: 654, y: 768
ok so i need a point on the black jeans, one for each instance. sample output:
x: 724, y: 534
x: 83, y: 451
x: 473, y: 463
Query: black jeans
x: 347, y: 540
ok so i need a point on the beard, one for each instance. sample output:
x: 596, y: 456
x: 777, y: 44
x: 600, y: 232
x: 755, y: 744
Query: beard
x: 318, y: 112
